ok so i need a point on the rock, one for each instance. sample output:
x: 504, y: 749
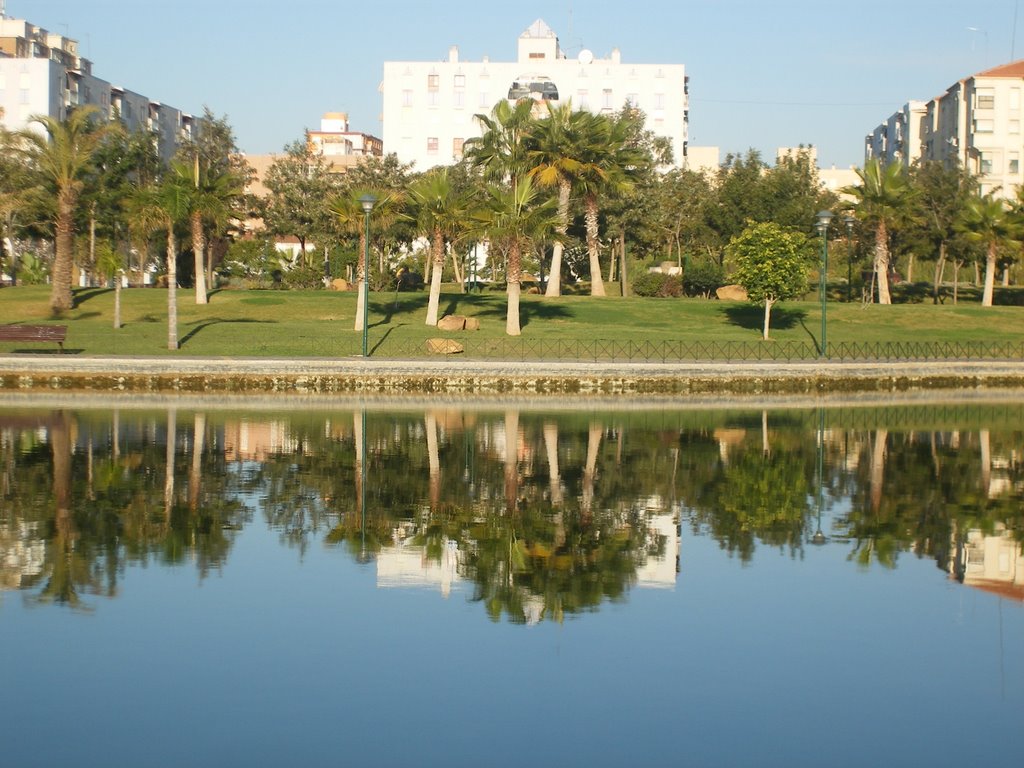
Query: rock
x: 452, y: 323
x: 731, y: 293
x: 340, y: 284
x: 472, y: 324
x: 444, y: 347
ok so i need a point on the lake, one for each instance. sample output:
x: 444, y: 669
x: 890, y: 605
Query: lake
x: 326, y: 582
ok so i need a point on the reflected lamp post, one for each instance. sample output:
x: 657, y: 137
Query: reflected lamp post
x: 819, y: 538
x: 824, y: 217
x: 367, y: 201
x: 849, y: 221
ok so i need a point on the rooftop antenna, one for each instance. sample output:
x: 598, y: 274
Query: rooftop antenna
x: 3, y: 9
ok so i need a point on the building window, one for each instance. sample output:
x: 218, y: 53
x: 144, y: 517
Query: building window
x: 457, y: 148
x: 460, y: 81
x: 433, y: 82
x: 433, y: 98
x: 432, y: 145
x: 1015, y: 98
x: 659, y: 101
x: 984, y: 126
x: 1013, y: 166
x: 985, y: 100
x: 582, y: 97
x: 459, y: 98
x: 985, y: 164
x: 633, y: 100
x: 485, y: 99
x: 606, y: 98
x: 407, y: 98
x: 536, y: 55
x: 1014, y: 126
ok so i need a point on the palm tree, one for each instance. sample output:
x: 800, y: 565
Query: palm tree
x: 502, y: 150
x: 987, y: 221
x: 110, y: 263
x: 63, y: 158
x: 439, y: 213
x: 211, y: 200
x: 348, y: 211
x: 164, y: 206
x: 608, y: 166
x: 557, y: 154
x: 883, y: 198
x: 513, y: 220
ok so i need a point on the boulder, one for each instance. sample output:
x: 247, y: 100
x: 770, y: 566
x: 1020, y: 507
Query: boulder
x: 731, y: 293
x: 472, y: 324
x: 340, y: 284
x: 444, y: 347
x: 452, y: 323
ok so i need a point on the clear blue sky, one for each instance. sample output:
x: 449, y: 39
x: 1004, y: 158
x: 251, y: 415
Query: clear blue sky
x: 762, y: 74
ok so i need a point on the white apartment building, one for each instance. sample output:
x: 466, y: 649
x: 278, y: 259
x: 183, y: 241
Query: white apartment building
x: 429, y: 107
x: 41, y: 73
x: 976, y: 122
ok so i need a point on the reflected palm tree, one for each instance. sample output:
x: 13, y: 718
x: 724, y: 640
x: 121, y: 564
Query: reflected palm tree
x: 551, y: 449
x: 590, y: 469
x: 195, y: 474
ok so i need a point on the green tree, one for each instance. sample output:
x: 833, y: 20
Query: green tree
x: 883, y: 200
x: 988, y: 222
x: 110, y: 264
x: 63, y: 158
x: 513, y: 220
x: 771, y: 264
x: 301, y: 189
x: 439, y: 214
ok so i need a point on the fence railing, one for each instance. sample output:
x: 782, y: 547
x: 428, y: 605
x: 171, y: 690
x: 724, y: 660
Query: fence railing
x: 665, y: 351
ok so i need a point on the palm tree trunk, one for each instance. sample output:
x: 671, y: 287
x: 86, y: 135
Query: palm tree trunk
x: 199, y: 252
x: 767, y: 318
x: 940, y: 267
x: 551, y: 447
x: 878, y: 468
x: 60, y: 292
x: 172, y: 288
x: 554, y: 286
x: 437, y: 250
x: 360, y: 272
x: 513, y: 277
x: 460, y: 275
x: 117, y: 300
x: 590, y: 217
x: 990, y: 276
x: 882, y: 263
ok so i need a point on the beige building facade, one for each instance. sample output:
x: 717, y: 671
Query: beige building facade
x: 976, y: 123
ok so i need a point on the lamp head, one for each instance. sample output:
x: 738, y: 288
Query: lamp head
x: 367, y: 201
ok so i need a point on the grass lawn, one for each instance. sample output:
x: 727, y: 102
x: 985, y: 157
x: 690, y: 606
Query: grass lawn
x: 319, y: 323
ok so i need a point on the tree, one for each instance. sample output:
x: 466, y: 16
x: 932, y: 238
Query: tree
x: 300, y: 193
x: 987, y: 221
x: 883, y: 199
x: 164, y: 206
x: 63, y: 158
x: 556, y: 154
x: 513, y: 220
x: 439, y: 214
x: 110, y: 263
x: 502, y: 150
x: 771, y: 265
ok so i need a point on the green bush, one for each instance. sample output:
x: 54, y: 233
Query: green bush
x: 703, y: 278
x: 657, y: 284
x: 305, y: 277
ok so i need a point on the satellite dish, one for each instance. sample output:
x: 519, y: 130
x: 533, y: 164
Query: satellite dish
x: 586, y: 56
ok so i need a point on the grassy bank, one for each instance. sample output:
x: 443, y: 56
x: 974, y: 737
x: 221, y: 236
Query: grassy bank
x: 319, y: 323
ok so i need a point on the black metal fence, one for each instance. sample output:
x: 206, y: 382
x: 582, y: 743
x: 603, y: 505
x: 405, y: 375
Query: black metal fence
x: 620, y: 351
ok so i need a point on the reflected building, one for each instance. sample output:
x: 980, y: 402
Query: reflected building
x: 660, y: 571
x: 990, y: 562
x: 404, y: 564
x: 255, y: 441
x: 22, y: 554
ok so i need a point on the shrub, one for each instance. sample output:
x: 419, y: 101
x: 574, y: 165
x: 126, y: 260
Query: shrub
x: 304, y: 276
x: 657, y: 284
x: 703, y: 278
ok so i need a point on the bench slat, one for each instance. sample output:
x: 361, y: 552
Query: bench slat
x: 42, y: 333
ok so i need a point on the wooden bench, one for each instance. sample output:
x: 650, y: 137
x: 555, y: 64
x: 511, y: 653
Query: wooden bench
x: 42, y: 333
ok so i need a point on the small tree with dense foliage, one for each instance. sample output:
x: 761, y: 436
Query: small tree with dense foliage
x: 771, y: 264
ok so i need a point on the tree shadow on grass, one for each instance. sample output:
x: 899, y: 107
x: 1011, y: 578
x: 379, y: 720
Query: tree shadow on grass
x: 397, y: 306
x: 529, y: 311
x: 752, y: 317
x: 216, y: 321
x: 81, y: 295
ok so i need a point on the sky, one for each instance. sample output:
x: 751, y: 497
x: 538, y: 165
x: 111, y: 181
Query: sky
x: 762, y: 74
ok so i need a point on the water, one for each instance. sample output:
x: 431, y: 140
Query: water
x: 315, y: 584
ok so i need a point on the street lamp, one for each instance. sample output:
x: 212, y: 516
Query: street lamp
x: 367, y: 201
x: 849, y: 221
x: 824, y: 217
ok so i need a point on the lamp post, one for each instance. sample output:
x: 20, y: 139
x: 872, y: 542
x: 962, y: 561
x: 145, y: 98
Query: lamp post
x: 367, y: 201
x: 824, y: 217
x: 849, y: 221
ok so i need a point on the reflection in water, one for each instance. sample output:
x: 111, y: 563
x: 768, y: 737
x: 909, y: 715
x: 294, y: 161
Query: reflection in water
x: 537, y: 516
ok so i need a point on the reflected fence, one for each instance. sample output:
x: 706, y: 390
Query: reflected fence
x: 666, y: 351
